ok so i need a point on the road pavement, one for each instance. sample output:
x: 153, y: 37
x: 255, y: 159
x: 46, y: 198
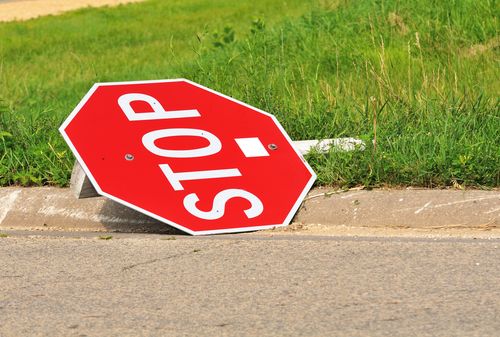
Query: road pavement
x: 86, y: 284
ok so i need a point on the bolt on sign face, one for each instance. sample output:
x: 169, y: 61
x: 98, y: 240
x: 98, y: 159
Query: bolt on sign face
x: 186, y: 155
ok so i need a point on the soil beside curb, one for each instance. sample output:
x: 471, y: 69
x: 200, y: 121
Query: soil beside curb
x: 405, y: 212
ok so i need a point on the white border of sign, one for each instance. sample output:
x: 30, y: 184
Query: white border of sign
x: 169, y: 222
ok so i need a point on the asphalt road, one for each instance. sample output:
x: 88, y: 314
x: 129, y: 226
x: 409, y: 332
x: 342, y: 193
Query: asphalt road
x: 248, y: 285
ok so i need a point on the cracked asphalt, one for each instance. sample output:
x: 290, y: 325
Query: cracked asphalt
x: 79, y: 284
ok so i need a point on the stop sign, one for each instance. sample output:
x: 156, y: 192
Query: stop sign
x: 188, y: 156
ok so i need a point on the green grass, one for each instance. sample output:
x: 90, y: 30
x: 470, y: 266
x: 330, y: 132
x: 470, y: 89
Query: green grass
x: 48, y: 64
x: 418, y: 81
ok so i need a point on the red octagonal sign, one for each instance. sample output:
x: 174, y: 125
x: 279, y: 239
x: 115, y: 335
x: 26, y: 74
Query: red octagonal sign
x: 188, y: 156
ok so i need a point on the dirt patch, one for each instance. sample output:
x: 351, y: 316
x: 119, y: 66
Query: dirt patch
x: 29, y: 9
x: 397, y: 21
x: 486, y: 231
x: 479, y: 49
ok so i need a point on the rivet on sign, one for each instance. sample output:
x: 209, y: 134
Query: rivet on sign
x: 129, y: 156
x: 272, y: 147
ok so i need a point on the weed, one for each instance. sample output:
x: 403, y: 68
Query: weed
x: 258, y: 25
x: 105, y: 237
x: 224, y: 38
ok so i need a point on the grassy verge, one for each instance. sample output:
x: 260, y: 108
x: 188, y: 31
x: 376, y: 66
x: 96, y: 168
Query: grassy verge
x: 48, y: 64
x: 418, y: 81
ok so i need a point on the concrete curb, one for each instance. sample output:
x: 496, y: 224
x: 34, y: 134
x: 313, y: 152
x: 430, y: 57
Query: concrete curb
x: 403, y: 212
x: 324, y: 211
x: 50, y: 208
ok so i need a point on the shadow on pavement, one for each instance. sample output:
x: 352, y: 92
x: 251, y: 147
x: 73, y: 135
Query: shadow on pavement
x: 118, y: 218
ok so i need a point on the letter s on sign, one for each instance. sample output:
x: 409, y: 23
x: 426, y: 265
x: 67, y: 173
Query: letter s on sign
x: 220, y: 200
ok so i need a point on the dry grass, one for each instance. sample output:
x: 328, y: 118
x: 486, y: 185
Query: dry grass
x: 397, y: 21
x: 482, y: 48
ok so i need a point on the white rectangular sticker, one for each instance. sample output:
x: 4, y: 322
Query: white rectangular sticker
x: 252, y: 147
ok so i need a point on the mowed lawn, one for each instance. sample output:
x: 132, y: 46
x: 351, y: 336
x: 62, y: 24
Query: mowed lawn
x: 418, y: 81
